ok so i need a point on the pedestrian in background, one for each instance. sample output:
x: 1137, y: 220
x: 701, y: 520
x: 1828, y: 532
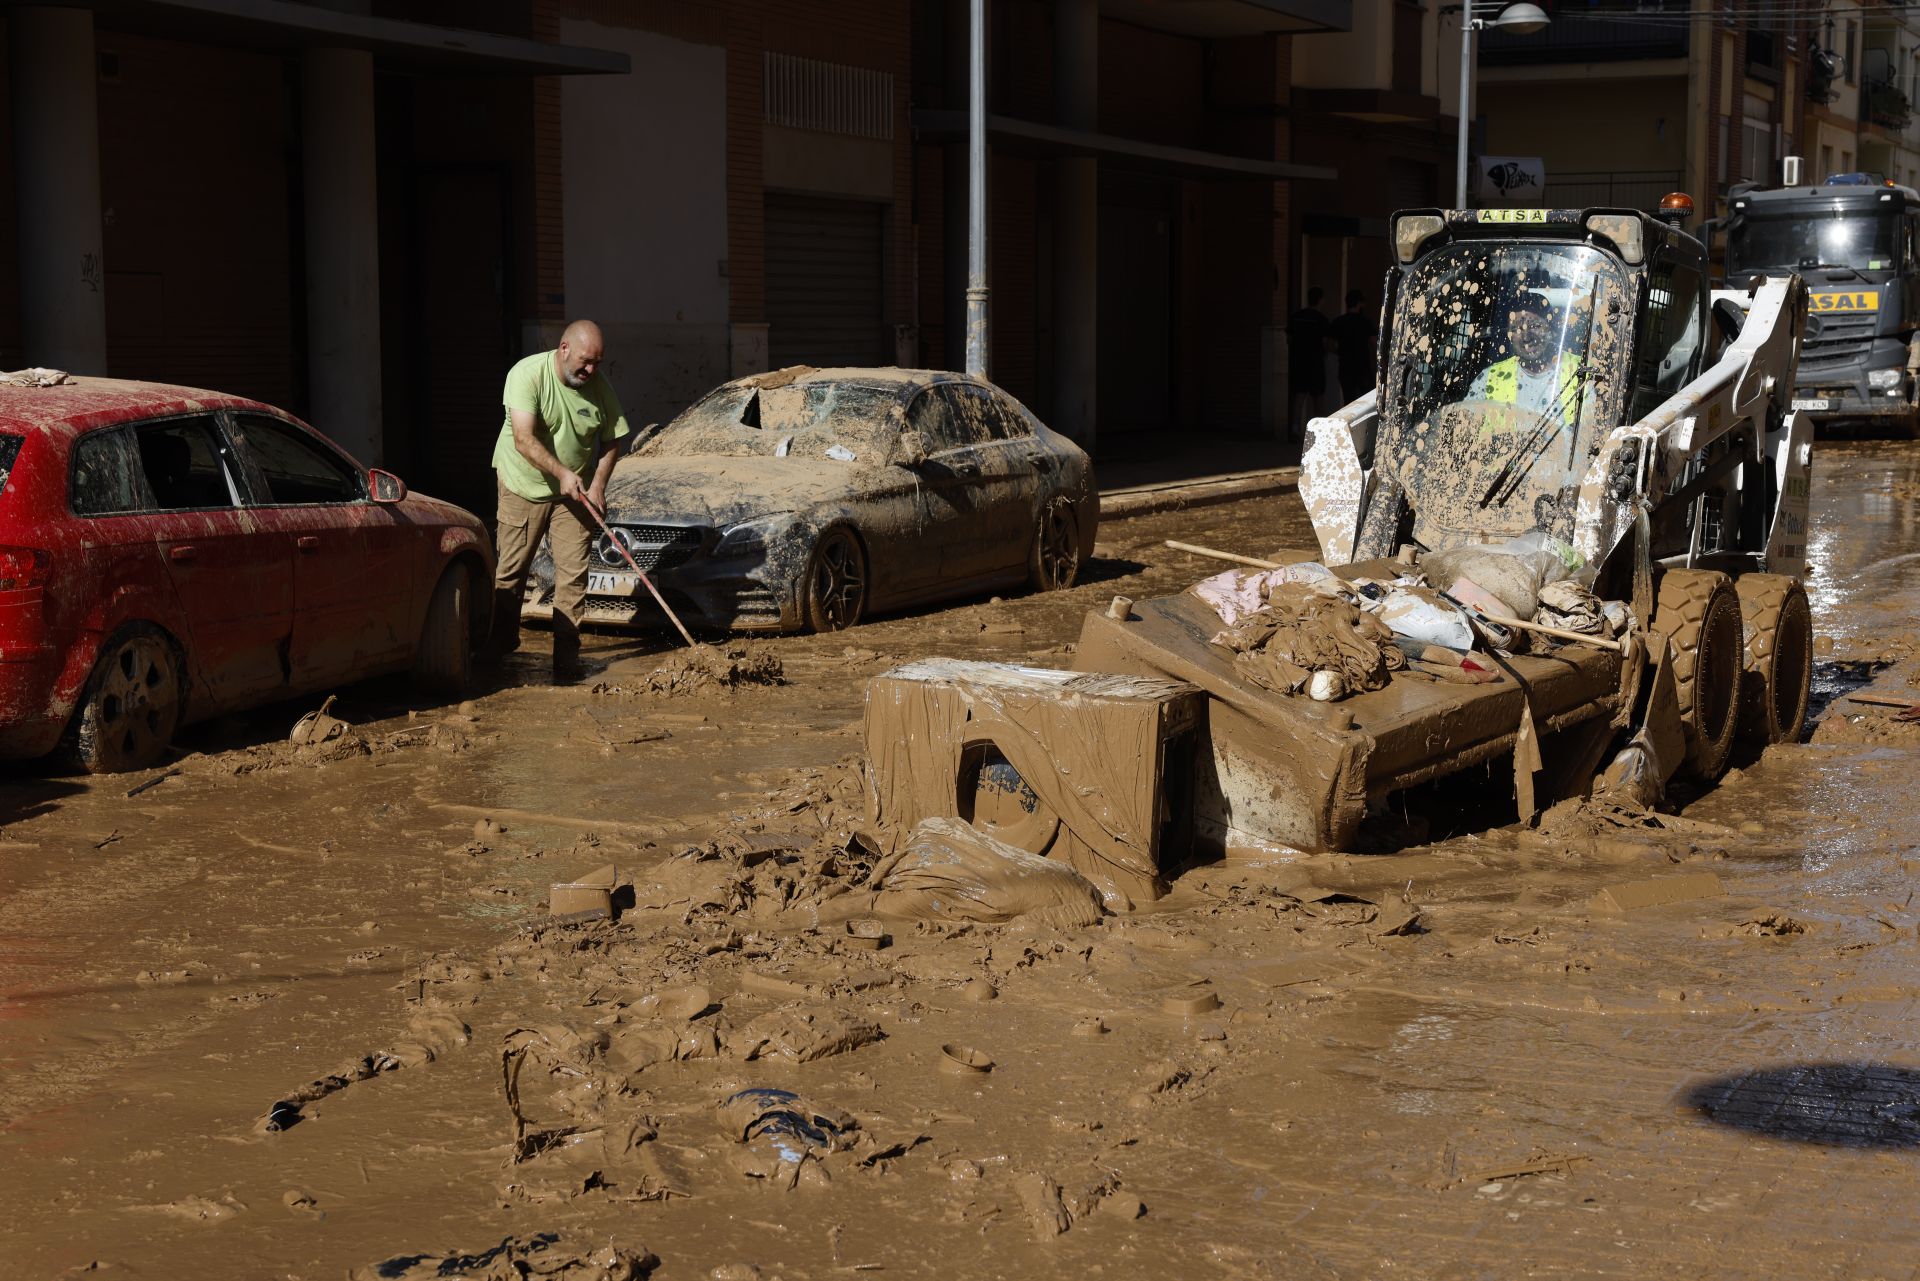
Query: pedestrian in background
x: 553, y: 458
x: 1307, y: 346
x: 1354, y: 346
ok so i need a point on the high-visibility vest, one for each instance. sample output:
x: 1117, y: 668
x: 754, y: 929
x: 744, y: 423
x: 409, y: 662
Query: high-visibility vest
x: 1503, y: 381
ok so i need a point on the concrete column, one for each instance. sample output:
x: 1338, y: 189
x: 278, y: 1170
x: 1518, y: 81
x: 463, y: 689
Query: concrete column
x: 1076, y: 224
x: 343, y: 250
x: 63, y: 307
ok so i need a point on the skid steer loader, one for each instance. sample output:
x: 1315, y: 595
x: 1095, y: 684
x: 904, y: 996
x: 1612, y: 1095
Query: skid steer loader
x: 1568, y: 372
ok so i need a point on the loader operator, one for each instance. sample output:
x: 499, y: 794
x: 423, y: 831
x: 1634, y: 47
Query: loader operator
x: 553, y: 458
x: 1533, y: 377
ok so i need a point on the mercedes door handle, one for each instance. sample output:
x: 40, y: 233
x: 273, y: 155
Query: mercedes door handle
x: 183, y: 554
x: 307, y: 543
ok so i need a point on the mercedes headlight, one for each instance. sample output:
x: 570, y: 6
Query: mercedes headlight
x: 752, y: 535
x: 1883, y: 379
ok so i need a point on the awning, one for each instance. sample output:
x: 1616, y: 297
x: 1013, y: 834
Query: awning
x: 1024, y: 137
x: 280, y: 25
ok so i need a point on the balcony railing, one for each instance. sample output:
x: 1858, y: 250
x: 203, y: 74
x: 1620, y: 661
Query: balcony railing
x: 1633, y: 189
x: 1884, y: 104
x: 1599, y: 32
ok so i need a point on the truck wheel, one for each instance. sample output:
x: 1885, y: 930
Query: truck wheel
x: 131, y: 705
x: 1699, y: 614
x: 1778, y: 623
x: 444, y: 660
x: 1054, y: 562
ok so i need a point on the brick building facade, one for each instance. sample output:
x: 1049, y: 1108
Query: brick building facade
x: 365, y: 211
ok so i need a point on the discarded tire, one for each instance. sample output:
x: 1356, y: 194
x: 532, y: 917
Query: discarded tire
x: 1698, y: 612
x: 1777, y: 623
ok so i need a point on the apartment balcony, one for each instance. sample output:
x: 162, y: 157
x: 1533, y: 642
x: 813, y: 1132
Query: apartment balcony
x: 1882, y: 103
x: 1603, y: 32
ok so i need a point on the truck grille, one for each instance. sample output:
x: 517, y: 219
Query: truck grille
x: 652, y: 546
x: 1836, y: 339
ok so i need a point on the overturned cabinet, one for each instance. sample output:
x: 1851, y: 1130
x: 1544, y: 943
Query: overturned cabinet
x: 1093, y: 769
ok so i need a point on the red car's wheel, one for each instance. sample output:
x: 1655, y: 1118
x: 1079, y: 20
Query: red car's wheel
x: 444, y: 661
x: 131, y: 705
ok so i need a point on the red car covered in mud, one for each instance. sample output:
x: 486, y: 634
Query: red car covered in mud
x: 168, y: 554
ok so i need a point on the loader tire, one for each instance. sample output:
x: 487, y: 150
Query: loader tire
x: 1778, y: 623
x: 1698, y: 612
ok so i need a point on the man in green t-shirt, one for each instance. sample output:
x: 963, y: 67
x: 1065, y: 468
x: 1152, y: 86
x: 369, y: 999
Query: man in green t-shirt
x: 555, y: 453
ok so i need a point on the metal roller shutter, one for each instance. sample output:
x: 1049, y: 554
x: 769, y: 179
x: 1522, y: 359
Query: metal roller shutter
x: 825, y: 282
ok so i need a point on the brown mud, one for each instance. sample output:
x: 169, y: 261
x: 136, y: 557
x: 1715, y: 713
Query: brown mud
x: 300, y: 1012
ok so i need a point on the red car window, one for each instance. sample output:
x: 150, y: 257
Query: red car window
x: 181, y: 460
x: 9, y: 450
x: 297, y: 468
x: 106, y: 476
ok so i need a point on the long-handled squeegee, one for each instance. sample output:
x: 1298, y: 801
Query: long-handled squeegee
x: 628, y: 557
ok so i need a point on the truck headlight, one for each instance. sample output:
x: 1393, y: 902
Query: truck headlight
x: 1883, y: 379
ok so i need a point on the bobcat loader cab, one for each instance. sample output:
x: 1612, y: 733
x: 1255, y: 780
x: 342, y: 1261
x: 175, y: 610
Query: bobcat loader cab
x: 1554, y: 370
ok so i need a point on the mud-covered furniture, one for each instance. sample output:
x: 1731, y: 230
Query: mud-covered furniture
x: 1093, y: 769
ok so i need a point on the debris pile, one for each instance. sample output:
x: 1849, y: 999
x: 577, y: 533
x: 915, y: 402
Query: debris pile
x: 1301, y: 628
x: 1308, y: 638
x: 704, y: 668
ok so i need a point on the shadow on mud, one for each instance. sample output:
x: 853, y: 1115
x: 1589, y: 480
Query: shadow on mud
x: 1851, y: 1105
x: 32, y: 788
x: 1102, y: 569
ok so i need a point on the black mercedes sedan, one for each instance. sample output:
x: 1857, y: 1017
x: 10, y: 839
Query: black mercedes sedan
x: 809, y: 498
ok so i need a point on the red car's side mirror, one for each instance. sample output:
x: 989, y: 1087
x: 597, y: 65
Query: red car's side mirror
x: 384, y: 486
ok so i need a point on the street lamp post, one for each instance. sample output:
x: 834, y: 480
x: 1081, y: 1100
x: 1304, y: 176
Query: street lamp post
x: 1521, y: 19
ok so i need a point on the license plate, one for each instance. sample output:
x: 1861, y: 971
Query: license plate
x: 1813, y: 404
x: 600, y: 584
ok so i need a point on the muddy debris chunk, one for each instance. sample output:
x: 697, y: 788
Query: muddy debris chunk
x: 1772, y: 925
x: 803, y: 1035
x: 705, y: 668
x: 542, y: 1255
x: 782, y: 1133
x: 950, y: 871
x: 978, y: 990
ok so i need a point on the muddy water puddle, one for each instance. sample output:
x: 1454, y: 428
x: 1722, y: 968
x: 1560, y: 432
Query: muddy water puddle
x: 1435, y: 1061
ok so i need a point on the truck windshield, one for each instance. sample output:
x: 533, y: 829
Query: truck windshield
x: 1864, y: 241
x: 1506, y: 368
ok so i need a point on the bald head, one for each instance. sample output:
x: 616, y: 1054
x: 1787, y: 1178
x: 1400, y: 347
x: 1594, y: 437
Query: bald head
x: 580, y: 352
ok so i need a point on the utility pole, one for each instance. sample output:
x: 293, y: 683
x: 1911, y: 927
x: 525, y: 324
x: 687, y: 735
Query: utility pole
x: 977, y: 192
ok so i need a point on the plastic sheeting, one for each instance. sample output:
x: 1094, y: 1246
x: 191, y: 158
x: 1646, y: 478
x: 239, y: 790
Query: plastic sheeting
x: 951, y: 871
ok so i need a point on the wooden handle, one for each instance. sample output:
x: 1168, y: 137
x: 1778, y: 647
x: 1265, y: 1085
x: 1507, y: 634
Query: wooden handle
x: 1220, y: 555
x: 1604, y: 642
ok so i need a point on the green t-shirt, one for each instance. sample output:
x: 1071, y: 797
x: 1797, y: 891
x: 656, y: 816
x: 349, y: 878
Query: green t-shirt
x: 571, y: 421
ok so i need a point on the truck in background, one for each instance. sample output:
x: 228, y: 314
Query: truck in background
x: 1855, y: 240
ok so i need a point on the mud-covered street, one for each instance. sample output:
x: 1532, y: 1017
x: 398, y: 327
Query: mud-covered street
x: 278, y: 1012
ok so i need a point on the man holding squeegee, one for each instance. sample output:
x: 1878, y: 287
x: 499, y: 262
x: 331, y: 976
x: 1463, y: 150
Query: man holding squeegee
x: 555, y: 453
